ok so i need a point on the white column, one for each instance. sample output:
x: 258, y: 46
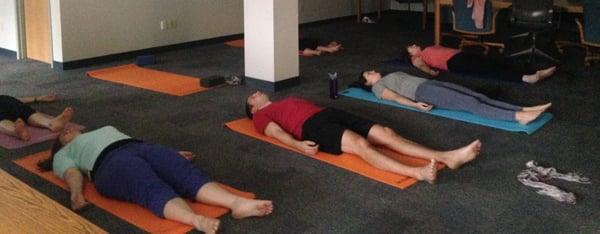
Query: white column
x: 271, y: 43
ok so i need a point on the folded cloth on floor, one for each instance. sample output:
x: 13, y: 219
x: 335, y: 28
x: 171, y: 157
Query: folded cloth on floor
x: 535, y: 176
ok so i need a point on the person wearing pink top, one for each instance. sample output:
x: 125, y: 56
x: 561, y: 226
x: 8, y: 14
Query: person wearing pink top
x: 434, y: 58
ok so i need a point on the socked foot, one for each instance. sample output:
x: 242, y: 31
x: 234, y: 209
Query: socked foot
x: 21, y: 130
x: 244, y: 208
x: 59, y: 122
x: 427, y: 173
x: 525, y: 117
x: 539, y: 107
x: 456, y: 158
x: 206, y: 224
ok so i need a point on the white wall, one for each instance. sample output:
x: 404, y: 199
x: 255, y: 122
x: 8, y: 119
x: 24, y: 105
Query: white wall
x: 8, y: 25
x: 92, y: 28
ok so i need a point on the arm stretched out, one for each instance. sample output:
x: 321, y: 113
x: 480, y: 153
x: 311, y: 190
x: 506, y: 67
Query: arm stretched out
x: 275, y: 131
x: 43, y: 98
x: 421, y: 65
x: 393, y: 96
x: 74, y: 180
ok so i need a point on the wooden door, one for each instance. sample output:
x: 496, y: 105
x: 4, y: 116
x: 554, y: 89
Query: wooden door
x: 37, y: 30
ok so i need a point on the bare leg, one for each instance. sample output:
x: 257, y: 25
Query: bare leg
x: 356, y: 144
x: 329, y: 48
x: 16, y: 129
x: 546, y: 72
x: 177, y: 209
x: 54, y: 124
x: 454, y: 159
x: 241, y: 207
x: 311, y: 52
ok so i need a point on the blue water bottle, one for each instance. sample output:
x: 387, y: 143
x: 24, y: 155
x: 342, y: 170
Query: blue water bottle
x: 333, y: 85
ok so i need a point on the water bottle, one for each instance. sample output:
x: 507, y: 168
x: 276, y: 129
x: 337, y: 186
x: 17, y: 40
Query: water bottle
x: 333, y: 85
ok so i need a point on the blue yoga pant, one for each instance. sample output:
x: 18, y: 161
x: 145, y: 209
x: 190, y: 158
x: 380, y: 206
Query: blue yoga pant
x: 455, y: 97
x: 148, y: 175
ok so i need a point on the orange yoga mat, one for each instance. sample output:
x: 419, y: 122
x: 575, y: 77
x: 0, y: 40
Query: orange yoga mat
x: 145, y: 78
x: 132, y: 213
x: 347, y: 161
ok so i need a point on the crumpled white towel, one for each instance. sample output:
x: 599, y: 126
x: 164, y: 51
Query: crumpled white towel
x: 535, y: 176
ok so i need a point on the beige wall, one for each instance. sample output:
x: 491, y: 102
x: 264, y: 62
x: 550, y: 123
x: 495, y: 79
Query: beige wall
x: 92, y: 28
x: 8, y: 25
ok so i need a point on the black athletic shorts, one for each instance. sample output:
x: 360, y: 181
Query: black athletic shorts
x: 12, y: 109
x: 327, y: 127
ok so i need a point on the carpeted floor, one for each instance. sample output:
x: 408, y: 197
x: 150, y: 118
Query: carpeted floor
x: 313, y: 197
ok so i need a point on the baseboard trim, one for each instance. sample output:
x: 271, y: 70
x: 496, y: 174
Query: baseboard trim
x: 255, y: 83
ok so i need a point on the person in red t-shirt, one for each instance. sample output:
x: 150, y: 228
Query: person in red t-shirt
x: 448, y: 59
x: 309, y: 128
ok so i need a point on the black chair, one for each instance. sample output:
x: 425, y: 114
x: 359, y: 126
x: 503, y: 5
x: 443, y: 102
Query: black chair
x: 536, y: 16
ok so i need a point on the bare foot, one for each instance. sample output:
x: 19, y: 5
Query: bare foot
x: 206, y: 224
x: 21, y: 131
x: 456, y: 158
x: 59, y: 122
x: 531, y: 78
x: 427, y: 173
x: 244, y: 208
x: 525, y: 117
x: 546, y: 72
x: 543, y: 107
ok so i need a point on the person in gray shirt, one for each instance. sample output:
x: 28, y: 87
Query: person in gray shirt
x: 425, y: 94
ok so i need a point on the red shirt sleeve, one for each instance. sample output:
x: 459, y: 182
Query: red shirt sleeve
x: 261, y: 120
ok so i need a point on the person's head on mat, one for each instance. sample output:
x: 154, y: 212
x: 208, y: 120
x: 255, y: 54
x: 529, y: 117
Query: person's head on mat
x: 310, y: 128
x: 433, y: 59
x: 424, y: 94
x: 121, y: 166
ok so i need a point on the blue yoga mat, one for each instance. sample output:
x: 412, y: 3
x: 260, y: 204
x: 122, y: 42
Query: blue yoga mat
x: 402, y: 64
x: 511, y: 126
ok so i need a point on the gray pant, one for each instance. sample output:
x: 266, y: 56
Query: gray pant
x: 455, y: 97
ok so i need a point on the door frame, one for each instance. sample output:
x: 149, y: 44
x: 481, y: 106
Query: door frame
x: 21, y: 35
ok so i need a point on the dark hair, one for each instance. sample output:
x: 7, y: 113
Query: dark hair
x: 248, y: 110
x: 361, y: 82
x: 46, y: 164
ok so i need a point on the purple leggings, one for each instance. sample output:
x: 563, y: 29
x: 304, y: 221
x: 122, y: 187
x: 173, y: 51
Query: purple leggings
x: 148, y: 175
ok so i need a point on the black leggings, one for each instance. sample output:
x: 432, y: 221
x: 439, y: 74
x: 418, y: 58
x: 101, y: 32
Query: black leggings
x: 12, y: 109
x: 484, y: 65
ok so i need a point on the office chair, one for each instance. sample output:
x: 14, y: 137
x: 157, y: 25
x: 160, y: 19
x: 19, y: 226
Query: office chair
x: 536, y: 16
x: 463, y: 23
x: 589, y: 32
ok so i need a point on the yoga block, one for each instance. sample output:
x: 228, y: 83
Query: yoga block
x: 211, y: 81
x: 144, y: 60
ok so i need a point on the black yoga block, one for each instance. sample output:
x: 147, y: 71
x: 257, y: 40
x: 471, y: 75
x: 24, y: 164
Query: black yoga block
x: 211, y: 81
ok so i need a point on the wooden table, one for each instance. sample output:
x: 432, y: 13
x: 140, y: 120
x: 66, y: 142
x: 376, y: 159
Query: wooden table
x: 498, y: 4
x: 25, y: 210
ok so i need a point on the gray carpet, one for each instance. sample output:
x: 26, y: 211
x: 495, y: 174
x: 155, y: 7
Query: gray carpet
x: 314, y: 197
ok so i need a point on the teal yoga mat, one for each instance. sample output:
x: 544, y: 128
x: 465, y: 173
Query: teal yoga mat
x: 457, y: 115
